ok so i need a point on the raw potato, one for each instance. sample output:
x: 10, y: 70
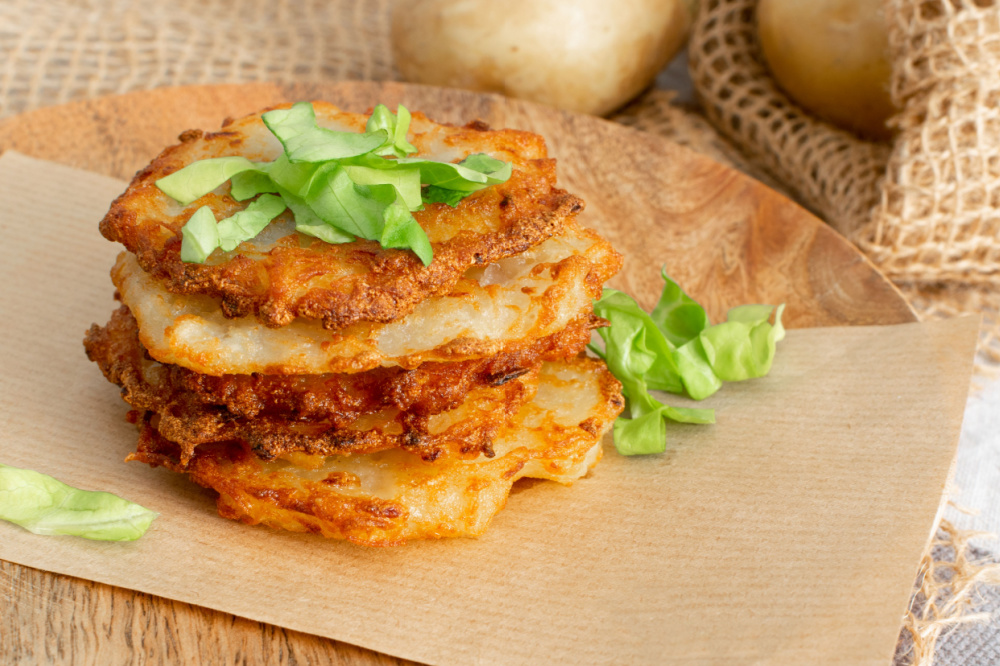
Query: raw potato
x: 830, y: 56
x: 587, y: 56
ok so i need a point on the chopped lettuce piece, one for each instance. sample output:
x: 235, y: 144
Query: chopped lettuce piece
x: 449, y: 175
x: 249, y: 222
x: 199, y: 178
x: 248, y: 184
x: 200, y: 236
x: 451, y: 185
x: 396, y: 126
x: 376, y: 211
x: 402, y: 231
x: 335, y: 198
x: 296, y: 178
x: 309, y: 223
x: 406, y: 180
x: 495, y: 170
x: 674, y: 349
x: 323, y: 231
x: 435, y: 194
x: 305, y: 141
x: 381, y: 119
x: 469, y: 175
x: 44, y: 505
x: 403, y: 147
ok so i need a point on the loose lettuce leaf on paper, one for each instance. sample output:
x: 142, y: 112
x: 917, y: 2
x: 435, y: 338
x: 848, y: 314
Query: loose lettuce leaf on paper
x: 636, y: 348
x: 674, y: 349
x: 44, y: 505
x: 676, y: 314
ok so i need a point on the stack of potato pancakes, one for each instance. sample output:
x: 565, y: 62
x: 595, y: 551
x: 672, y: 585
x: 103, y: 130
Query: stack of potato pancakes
x: 352, y: 390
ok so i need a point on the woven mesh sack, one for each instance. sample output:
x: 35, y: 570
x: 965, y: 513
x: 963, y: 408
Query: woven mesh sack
x: 58, y: 51
x: 939, y: 214
x: 829, y: 170
x: 925, y: 209
x: 655, y: 111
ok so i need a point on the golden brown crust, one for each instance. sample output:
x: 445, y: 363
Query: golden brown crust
x: 233, y: 472
x: 335, y: 413
x: 388, y: 498
x: 283, y: 280
x: 499, y: 308
x: 469, y: 431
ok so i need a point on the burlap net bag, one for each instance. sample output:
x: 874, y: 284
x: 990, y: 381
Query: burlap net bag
x: 925, y: 208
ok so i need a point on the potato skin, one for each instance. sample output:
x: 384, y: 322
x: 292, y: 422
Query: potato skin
x: 830, y: 56
x: 587, y: 56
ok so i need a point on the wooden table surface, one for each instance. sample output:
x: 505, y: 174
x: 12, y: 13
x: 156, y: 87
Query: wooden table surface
x: 725, y: 237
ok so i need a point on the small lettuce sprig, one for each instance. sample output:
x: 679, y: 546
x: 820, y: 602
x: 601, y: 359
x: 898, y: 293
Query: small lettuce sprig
x: 674, y: 349
x: 44, y: 505
x: 340, y: 186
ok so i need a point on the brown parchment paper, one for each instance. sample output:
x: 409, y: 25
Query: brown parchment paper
x: 787, y: 533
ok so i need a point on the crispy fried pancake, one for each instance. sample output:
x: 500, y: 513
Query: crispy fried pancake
x: 424, y: 391
x: 387, y: 498
x: 281, y: 275
x: 501, y: 308
x: 465, y: 431
x: 439, y: 408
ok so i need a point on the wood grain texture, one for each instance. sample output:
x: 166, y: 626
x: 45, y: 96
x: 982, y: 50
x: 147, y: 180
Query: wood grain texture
x: 725, y: 237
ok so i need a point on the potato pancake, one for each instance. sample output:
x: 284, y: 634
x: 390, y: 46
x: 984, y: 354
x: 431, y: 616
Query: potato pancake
x: 387, y: 498
x: 348, y: 390
x: 502, y: 307
x: 281, y: 275
x: 466, y: 429
x: 341, y: 398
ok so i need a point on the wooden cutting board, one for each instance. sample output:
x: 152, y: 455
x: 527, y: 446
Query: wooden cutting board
x: 725, y: 237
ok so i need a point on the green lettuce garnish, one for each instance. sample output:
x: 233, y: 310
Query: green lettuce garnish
x: 450, y: 183
x: 395, y: 127
x: 674, y: 349
x: 198, y: 179
x: 44, y: 505
x: 305, y: 141
x: 339, y: 186
x: 250, y: 221
x: 202, y: 234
